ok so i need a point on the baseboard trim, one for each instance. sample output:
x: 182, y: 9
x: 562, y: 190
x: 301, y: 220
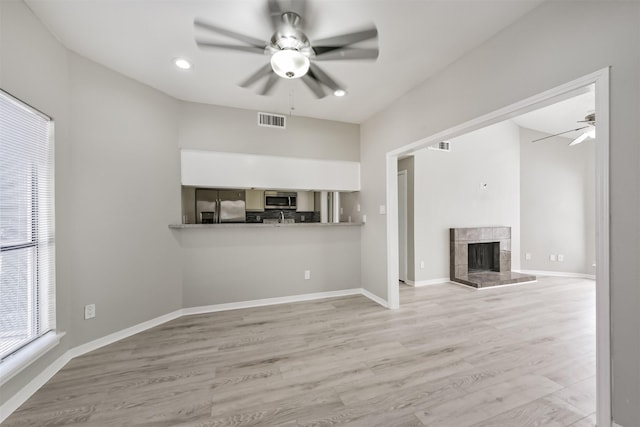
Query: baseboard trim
x: 430, y: 282
x: 374, y: 298
x: 269, y: 301
x: 122, y: 334
x: 41, y: 379
x: 557, y: 274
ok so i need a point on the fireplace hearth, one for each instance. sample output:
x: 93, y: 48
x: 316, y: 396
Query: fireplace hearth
x: 481, y: 257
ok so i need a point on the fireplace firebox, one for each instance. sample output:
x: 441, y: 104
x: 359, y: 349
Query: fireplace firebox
x: 484, y: 256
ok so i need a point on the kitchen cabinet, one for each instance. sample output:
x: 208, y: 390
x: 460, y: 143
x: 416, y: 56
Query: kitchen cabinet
x: 255, y: 200
x: 305, y: 201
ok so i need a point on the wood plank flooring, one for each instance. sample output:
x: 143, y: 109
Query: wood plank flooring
x: 520, y: 356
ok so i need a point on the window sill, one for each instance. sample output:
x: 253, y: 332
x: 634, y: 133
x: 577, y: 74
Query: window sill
x: 24, y: 357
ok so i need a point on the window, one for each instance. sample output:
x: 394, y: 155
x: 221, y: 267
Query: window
x: 27, y: 276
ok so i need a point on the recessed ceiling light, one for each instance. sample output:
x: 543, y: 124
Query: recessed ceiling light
x: 340, y: 92
x: 182, y: 63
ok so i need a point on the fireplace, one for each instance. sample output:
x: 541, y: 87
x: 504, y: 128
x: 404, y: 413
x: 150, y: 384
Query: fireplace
x: 481, y: 257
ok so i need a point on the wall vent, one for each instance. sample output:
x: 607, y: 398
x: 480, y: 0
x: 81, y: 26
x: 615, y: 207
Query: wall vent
x: 441, y: 146
x: 272, y: 120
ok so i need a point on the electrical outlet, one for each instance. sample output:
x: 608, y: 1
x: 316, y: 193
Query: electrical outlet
x: 560, y: 258
x: 302, y: 218
x: 258, y: 218
x: 364, y: 219
x: 341, y: 211
x: 552, y: 257
x: 527, y: 256
x: 307, y: 274
x: 382, y: 209
x: 421, y: 264
x: 358, y: 207
x: 89, y: 311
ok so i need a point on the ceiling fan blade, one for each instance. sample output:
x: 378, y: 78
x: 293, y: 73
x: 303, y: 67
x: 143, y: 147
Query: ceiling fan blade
x: 579, y: 139
x: 561, y: 133
x: 344, y: 53
x: 268, y: 86
x: 348, y: 39
x: 323, y: 77
x: 263, y: 71
x: 198, y: 23
x: 314, y: 85
x: 248, y: 49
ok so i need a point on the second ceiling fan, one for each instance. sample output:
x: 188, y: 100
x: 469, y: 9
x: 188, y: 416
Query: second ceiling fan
x: 292, y: 54
x: 590, y: 132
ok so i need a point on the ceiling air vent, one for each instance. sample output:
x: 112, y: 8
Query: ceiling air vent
x: 272, y: 120
x: 441, y: 146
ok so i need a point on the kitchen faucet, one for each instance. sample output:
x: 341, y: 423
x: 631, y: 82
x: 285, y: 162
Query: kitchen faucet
x: 281, y: 216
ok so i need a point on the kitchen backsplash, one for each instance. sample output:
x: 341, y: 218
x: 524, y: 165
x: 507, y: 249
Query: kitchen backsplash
x: 253, y: 217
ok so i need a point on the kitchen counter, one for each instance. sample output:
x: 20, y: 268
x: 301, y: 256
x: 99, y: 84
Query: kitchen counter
x: 265, y: 225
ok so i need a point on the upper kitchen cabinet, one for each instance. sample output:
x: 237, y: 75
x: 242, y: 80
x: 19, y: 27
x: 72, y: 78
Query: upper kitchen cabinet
x: 305, y: 201
x: 234, y: 170
x: 255, y: 200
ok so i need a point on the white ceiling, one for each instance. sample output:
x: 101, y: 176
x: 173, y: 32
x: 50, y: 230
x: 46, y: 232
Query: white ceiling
x: 140, y: 38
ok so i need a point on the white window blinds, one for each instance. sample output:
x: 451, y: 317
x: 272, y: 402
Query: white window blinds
x: 27, y: 276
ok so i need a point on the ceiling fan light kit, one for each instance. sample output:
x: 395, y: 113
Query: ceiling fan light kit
x: 289, y: 63
x: 292, y: 54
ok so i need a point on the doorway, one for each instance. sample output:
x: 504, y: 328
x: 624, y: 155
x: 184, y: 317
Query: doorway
x: 600, y: 80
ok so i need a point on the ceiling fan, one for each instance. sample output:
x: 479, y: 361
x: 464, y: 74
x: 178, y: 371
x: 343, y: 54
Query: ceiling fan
x: 590, y: 132
x: 292, y: 55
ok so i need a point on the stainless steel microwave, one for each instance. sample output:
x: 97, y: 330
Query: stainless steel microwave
x: 280, y: 200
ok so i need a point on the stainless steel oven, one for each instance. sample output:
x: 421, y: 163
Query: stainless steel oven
x: 279, y: 200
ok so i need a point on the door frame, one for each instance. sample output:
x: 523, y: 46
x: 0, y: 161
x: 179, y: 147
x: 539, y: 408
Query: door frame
x: 404, y: 176
x: 600, y: 79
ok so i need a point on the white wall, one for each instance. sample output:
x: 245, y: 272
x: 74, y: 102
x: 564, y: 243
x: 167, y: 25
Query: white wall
x: 214, y: 128
x: 546, y: 48
x: 449, y: 194
x: 557, y: 191
x: 229, y: 265
x: 126, y: 189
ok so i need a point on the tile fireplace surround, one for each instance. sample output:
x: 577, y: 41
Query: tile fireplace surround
x: 499, y: 274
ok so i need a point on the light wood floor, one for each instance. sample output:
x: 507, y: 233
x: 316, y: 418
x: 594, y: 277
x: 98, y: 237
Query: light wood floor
x: 450, y: 357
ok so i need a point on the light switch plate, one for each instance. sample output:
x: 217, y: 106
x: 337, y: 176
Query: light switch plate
x: 383, y: 209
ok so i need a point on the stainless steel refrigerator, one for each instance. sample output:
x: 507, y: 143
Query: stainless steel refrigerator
x: 220, y: 206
